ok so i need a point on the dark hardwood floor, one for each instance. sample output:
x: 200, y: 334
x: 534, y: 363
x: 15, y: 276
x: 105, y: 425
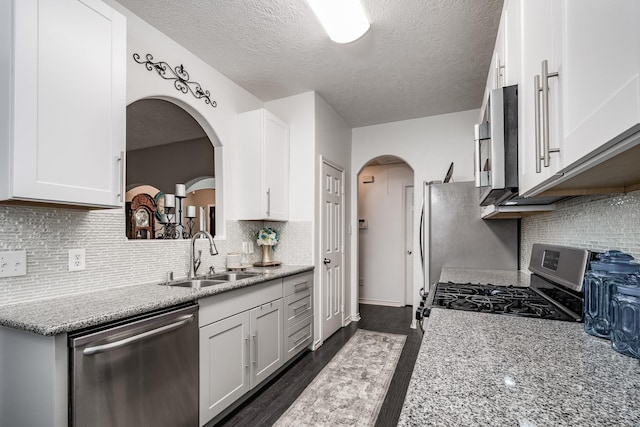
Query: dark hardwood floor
x: 264, y: 408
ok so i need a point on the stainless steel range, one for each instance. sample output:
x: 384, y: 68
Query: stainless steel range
x: 555, y: 290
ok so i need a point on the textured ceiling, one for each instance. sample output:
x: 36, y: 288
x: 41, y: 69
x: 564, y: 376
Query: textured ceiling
x: 420, y: 57
x: 153, y: 122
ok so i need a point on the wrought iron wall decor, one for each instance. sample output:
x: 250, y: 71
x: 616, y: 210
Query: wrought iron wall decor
x: 178, y: 75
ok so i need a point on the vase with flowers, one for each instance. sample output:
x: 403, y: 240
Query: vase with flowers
x: 267, y: 238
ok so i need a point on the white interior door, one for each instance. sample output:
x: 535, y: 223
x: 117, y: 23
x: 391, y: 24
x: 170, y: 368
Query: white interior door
x: 332, y: 249
x: 408, y: 244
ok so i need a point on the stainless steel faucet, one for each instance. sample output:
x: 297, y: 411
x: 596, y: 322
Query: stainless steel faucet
x: 194, y: 262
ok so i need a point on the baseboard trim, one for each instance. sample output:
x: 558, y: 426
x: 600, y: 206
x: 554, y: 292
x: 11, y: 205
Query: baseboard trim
x: 380, y: 302
x: 352, y: 318
x: 317, y: 345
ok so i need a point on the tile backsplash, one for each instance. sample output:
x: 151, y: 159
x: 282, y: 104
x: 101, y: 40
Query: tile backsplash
x: 112, y: 260
x: 590, y: 222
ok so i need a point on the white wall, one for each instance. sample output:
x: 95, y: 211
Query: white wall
x: 382, y: 246
x: 428, y: 145
x: 333, y: 142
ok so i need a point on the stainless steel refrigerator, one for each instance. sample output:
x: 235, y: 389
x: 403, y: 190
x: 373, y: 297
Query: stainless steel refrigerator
x: 453, y: 233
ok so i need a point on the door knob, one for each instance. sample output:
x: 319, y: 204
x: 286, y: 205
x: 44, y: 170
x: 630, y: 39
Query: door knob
x: 326, y: 261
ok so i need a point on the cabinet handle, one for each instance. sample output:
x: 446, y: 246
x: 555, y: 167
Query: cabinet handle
x: 255, y: 348
x: 499, y: 68
x: 536, y: 127
x: 299, y: 287
x: 122, y: 177
x: 246, y: 359
x: 295, y: 310
x: 546, y: 150
x: 268, y: 201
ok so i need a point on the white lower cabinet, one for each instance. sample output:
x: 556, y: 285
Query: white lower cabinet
x: 241, y: 344
x: 266, y: 341
x: 224, y: 364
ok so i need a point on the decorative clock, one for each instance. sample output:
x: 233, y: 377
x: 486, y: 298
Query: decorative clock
x: 141, y: 217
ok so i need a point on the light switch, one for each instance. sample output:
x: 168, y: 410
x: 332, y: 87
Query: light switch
x: 13, y: 263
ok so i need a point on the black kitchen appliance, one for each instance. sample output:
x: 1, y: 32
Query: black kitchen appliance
x: 555, y: 290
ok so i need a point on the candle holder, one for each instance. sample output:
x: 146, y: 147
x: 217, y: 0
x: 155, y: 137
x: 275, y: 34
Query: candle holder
x: 179, y: 218
x: 190, y: 224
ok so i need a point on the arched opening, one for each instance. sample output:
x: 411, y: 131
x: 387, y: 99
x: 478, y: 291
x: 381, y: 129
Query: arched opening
x: 385, y: 215
x: 172, y: 185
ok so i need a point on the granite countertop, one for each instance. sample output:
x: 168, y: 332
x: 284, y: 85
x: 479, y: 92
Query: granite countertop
x: 487, y: 369
x: 477, y: 276
x: 66, y: 314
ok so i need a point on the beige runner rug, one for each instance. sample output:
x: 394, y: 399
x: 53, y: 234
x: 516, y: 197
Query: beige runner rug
x: 350, y: 390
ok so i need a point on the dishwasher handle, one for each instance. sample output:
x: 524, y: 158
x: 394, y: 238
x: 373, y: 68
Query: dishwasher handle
x: 184, y: 320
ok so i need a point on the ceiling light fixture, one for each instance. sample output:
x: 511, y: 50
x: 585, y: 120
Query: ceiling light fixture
x: 344, y: 20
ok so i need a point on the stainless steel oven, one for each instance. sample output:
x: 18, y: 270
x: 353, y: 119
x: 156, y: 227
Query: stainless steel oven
x: 555, y: 290
x: 138, y: 372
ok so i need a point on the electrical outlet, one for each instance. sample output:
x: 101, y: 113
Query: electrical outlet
x: 13, y: 263
x: 76, y: 259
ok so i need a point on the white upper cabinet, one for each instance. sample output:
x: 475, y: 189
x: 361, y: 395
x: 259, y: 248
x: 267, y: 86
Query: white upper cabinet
x: 262, y: 167
x: 62, y: 102
x: 540, y: 148
x: 504, y: 69
x: 509, y: 43
x: 590, y: 100
x: 600, y: 73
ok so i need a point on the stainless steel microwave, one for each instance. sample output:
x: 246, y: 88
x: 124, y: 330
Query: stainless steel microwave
x: 496, y: 152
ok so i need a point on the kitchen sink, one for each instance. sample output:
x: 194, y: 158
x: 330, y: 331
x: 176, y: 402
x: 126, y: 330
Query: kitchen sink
x: 216, y: 279
x: 232, y: 276
x: 198, y: 283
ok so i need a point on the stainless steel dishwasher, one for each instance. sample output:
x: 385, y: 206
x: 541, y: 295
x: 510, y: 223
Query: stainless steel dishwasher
x: 137, y: 372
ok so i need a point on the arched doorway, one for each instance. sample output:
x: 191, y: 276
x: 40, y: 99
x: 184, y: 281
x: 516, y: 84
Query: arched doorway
x: 168, y: 147
x: 385, y: 232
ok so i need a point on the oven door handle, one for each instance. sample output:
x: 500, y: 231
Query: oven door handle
x: 184, y: 320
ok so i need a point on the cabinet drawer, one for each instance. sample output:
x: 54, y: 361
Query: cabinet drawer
x: 220, y: 306
x: 297, y: 307
x: 299, y: 337
x: 298, y: 283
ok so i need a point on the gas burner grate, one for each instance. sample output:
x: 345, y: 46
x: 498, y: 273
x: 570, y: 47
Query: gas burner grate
x: 506, y: 300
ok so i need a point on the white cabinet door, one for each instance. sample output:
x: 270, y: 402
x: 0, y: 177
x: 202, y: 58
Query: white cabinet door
x: 276, y: 167
x: 600, y: 73
x: 224, y: 364
x: 261, y: 167
x: 67, y: 103
x: 266, y: 335
x: 541, y: 41
x: 499, y: 58
x: 510, y: 42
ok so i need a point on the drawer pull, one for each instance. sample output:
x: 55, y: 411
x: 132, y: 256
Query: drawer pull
x: 295, y: 310
x: 299, y: 287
